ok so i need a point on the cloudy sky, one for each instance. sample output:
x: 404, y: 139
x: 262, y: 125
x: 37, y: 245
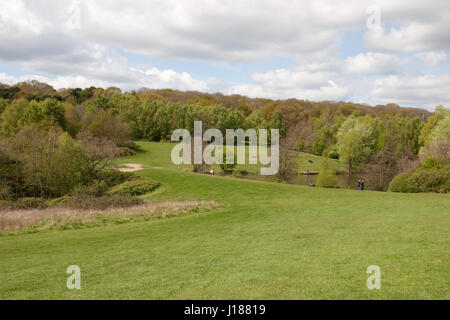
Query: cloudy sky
x: 373, y: 52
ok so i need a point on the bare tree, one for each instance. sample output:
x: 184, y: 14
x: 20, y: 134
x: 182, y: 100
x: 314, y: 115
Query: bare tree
x: 102, y: 150
x: 288, y: 166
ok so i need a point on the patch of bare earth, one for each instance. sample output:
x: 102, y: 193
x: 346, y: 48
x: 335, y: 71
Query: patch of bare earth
x: 131, y: 167
x: 11, y: 220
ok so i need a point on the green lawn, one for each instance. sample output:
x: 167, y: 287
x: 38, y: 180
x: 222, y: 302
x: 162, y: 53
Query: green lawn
x: 265, y: 241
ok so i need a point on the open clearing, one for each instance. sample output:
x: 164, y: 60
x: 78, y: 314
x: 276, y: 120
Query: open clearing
x: 265, y: 241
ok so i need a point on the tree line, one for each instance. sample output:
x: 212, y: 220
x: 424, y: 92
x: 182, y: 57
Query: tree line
x: 52, y: 141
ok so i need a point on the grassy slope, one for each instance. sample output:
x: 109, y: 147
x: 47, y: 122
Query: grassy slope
x: 302, y: 161
x: 267, y: 240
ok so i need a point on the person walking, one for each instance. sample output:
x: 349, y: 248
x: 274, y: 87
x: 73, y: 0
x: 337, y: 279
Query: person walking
x: 358, y: 184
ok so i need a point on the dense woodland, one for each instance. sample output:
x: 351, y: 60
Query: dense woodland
x: 53, y: 143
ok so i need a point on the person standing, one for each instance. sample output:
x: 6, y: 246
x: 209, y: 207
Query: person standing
x: 362, y: 185
x: 358, y: 184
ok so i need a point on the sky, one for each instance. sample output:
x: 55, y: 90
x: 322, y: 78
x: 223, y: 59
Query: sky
x: 373, y: 52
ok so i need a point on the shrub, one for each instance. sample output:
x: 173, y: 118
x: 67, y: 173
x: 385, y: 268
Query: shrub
x: 333, y: 154
x: 24, y: 203
x: 96, y: 189
x: 422, y: 180
x: 430, y: 180
x: 5, y: 192
x: 56, y: 202
x: 126, y: 152
x: 400, y: 183
x: 135, y: 187
x: 226, y: 165
x: 4, y: 204
x: 31, y: 203
x: 201, y: 168
x: 88, y: 202
x: 115, y: 177
x: 237, y: 174
x: 326, y: 179
x: 430, y: 163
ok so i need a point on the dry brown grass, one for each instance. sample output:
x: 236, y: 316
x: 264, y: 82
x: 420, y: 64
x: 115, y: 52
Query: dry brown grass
x: 41, y: 219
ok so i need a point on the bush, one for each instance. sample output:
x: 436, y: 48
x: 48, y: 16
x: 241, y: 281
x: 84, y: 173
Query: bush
x: 5, y: 192
x: 24, y: 203
x: 56, y: 202
x: 226, y: 165
x: 326, y: 179
x: 96, y: 189
x: 31, y: 203
x: 333, y: 154
x: 400, y: 183
x: 422, y: 180
x: 126, y: 152
x: 135, y: 187
x: 115, y: 177
x: 88, y: 202
x: 430, y: 163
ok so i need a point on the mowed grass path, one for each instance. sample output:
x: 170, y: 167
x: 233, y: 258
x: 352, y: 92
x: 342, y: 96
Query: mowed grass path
x: 265, y: 241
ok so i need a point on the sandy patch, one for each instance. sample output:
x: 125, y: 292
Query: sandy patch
x: 131, y: 167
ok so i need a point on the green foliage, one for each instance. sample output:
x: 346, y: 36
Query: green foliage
x: 3, y: 105
x: 357, y: 140
x: 8, y: 92
x: 277, y: 122
x: 426, y: 133
x: 21, y: 113
x: 228, y: 164
x: 5, y: 191
x: 11, y: 117
x: 96, y: 189
x: 442, y: 129
x: 333, y: 154
x: 401, y: 184
x: 24, y: 203
x: 422, y: 180
x: 57, y: 202
x: 430, y: 164
x: 254, y: 121
x: 327, y: 177
x: 52, y: 163
x: 115, y: 177
x: 134, y: 187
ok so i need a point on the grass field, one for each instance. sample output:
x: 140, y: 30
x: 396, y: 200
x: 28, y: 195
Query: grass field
x: 303, y: 162
x: 264, y: 241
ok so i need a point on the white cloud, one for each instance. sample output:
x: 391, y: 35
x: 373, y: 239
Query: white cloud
x: 375, y: 63
x: 432, y: 58
x: 101, y: 67
x: 279, y: 84
x: 40, y: 37
x: 425, y: 91
x: 224, y: 30
x: 413, y: 37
